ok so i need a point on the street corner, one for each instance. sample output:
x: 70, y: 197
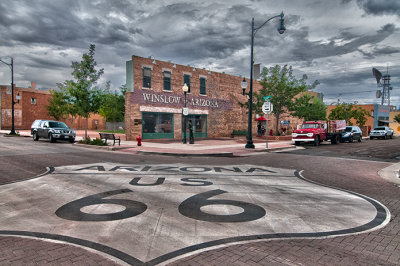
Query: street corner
x: 144, y: 213
x: 391, y: 174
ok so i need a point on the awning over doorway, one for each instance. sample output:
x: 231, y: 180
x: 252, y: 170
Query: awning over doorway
x: 261, y: 118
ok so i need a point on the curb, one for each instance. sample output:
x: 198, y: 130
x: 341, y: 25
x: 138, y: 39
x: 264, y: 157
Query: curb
x: 391, y: 174
x: 220, y: 154
x: 107, y: 148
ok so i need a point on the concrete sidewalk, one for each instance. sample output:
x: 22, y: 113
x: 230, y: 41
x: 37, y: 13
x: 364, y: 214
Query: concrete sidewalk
x: 225, y: 147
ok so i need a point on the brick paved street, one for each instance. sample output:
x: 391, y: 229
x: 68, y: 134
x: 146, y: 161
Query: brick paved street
x: 380, y: 247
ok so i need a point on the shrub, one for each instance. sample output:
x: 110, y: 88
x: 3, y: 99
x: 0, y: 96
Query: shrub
x: 96, y: 141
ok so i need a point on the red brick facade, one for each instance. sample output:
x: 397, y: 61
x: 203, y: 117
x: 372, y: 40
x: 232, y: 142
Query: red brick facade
x: 220, y: 104
x: 33, y: 105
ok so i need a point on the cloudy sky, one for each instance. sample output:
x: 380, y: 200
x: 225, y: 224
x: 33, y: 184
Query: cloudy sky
x: 334, y: 41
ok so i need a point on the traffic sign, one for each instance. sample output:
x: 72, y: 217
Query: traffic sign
x: 267, y: 108
x: 267, y: 98
x: 185, y: 111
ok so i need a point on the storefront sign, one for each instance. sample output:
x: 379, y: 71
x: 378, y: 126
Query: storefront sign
x: 145, y: 97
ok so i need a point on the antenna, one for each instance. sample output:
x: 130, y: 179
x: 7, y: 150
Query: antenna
x: 385, y: 86
x: 377, y: 74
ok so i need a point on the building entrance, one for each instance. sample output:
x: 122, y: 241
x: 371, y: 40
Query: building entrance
x: 199, y: 123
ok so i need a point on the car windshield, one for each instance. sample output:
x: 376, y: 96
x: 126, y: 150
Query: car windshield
x: 348, y: 129
x: 57, y: 125
x: 379, y: 128
x: 310, y: 126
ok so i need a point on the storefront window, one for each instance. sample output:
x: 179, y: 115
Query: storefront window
x: 199, y: 123
x: 157, y: 125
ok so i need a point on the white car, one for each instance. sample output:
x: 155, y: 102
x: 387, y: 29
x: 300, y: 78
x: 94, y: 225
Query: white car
x: 381, y: 132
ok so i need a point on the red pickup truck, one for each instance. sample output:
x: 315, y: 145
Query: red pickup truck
x: 317, y: 131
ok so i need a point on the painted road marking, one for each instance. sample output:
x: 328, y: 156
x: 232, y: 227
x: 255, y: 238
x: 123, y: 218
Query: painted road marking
x: 152, y: 213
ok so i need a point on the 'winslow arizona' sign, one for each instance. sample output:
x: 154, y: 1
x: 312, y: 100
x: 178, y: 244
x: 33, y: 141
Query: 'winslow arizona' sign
x: 144, y: 97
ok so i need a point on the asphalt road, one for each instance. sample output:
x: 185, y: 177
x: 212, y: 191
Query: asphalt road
x: 375, y: 150
x: 351, y: 166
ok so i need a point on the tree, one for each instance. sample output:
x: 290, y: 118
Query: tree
x: 347, y: 111
x: 281, y: 84
x: 309, y: 108
x: 360, y: 115
x: 58, y: 104
x: 397, y: 118
x: 113, y: 105
x: 83, y: 94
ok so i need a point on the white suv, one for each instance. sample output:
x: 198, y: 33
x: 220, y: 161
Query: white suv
x: 381, y: 132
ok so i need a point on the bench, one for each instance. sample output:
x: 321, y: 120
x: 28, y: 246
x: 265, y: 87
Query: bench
x: 110, y: 136
x: 238, y: 133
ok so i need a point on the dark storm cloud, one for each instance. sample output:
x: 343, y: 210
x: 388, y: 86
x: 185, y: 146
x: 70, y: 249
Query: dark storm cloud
x: 46, y: 36
x: 380, y: 7
x: 306, y: 50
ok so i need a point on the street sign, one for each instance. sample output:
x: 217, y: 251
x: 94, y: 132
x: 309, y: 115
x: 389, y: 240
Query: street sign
x: 267, y: 108
x: 267, y: 98
x: 185, y: 111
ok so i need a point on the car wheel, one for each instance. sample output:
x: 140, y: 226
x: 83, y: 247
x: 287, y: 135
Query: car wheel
x: 297, y: 143
x: 35, y: 136
x: 351, y: 139
x: 391, y: 136
x: 360, y: 139
x: 316, y: 140
x: 385, y: 137
x: 52, y: 139
x: 71, y: 140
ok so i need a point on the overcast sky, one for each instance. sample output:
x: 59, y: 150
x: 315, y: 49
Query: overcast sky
x: 334, y: 41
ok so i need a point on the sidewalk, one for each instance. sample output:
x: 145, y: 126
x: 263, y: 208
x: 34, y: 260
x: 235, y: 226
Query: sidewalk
x: 226, y: 147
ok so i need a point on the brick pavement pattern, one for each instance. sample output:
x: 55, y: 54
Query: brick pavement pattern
x: 28, y: 251
x: 380, y: 247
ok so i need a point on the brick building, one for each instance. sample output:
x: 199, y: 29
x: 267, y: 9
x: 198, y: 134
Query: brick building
x: 155, y: 99
x: 33, y: 105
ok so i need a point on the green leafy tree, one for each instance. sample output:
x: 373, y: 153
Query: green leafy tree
x: 309, y: 108
x: 397, y: 118
x: 83, y: 94
x: 347, y: 111
x: 58, y: 104
x: 113, y: 105
x: 360, y: 115
x: 281, y: 84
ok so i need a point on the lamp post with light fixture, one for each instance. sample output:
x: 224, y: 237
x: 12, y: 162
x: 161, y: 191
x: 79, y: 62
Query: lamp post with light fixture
x: 11, y: 65
x: 281, y: 30
x: 185, y: 89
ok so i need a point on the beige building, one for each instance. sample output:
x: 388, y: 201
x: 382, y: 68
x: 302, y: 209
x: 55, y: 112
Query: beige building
x: 394, y: 125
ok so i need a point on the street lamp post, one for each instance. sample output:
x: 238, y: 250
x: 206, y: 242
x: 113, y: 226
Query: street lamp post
x: 11, y: 65
x: 281, y: 30
x: 185, y: 89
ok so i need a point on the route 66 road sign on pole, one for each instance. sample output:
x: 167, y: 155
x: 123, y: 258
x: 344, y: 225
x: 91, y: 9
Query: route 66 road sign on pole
x: 267, y: 108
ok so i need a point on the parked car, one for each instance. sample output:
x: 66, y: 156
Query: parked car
x: 351, y: 133
x: 35, y: 124
x: 381, y: 132
x: 52, y: 130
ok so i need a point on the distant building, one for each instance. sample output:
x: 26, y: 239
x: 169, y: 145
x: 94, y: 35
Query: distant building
x: 33, y: 105
x: 394, y: 125
x: 380, y: 115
